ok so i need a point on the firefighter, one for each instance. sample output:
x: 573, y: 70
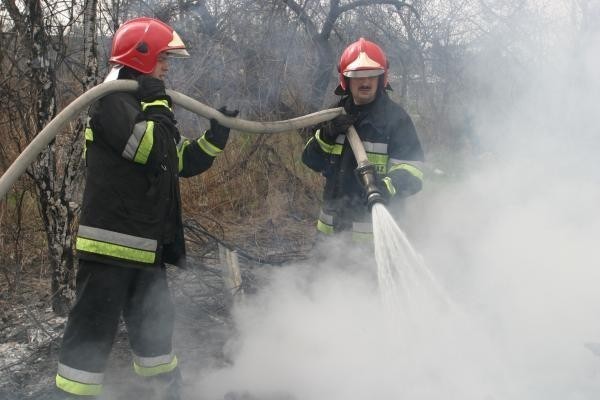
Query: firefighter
x: 130, y: 223
x: 387, y: 133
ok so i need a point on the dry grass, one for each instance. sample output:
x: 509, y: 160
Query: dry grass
x: 258, y: 193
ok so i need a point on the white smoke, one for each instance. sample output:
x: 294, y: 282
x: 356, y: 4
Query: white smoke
x: 515, y: 244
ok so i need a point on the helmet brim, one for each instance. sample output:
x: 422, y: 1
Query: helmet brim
x: 177, y: 53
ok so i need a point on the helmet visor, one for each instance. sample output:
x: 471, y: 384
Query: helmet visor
x: 181, y: 53
x: 176, y: 47
x: 363, y: 73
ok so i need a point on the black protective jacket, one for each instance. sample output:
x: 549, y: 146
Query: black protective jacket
x: 131, y: 211
x: 392, y: 145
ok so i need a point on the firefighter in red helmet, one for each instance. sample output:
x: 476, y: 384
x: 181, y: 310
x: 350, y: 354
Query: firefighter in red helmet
x: 130, y: 223
x: 386, y: 131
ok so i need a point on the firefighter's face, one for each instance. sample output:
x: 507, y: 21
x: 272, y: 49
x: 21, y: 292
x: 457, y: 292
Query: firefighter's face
x: 364, y: 90
x: 162, y: 67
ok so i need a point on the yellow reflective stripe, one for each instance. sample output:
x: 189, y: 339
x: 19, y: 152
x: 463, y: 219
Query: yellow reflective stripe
x: 326, y: 147
x: 362, y: 236
x: 323, y: 227
x: 156, y: 370
x: 115, y: 250
x: 180, y: 151
x: 89, y: 134
x: 162, y: 103
x: 309, y: 140
x: 337, y: 149
x: 379, y: 160
x: 389, y: 185
x: 145, y: 147
x: 78, y: 388
x: 416, y: 172
x: 208, y: 147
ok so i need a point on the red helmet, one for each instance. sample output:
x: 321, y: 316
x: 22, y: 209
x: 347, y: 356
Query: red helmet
x: 362, y: 59
x: 138, y: 42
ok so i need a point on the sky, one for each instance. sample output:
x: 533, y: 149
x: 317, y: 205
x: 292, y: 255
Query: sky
x: 512, y: 243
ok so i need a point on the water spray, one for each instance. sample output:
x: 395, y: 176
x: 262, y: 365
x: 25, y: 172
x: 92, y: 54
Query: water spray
x: 73, y: 110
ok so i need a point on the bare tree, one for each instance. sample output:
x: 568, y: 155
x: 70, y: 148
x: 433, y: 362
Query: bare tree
x: 41, y: 33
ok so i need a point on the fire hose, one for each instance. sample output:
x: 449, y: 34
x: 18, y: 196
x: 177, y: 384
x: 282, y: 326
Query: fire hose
x: 75, y: 108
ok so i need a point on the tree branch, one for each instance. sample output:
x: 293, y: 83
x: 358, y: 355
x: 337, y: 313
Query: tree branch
x: 360, y: 3
x: 303, y: 16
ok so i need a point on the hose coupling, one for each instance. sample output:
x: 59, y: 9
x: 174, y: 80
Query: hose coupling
x: 368, y: 178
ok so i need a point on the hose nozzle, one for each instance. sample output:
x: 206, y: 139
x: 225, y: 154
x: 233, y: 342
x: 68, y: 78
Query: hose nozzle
x: 367, y: 176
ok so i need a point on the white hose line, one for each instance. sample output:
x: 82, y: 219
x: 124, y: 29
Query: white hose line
x: 357, y: 147
x: 80, y: 104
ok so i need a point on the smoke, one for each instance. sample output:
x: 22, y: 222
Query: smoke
x: 513, y: 242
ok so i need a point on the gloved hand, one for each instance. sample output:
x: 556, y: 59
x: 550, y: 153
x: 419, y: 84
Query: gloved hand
x: 384, y: 184
x: 219, y: 134
x: 406, y: 184
x: 150, y: 89
x: 339, y: 125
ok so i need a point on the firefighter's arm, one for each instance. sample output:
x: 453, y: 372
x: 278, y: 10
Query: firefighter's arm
x: 405, y: 165
x: 196, y: 156
x: 318, y: 149
x: 130, y: 124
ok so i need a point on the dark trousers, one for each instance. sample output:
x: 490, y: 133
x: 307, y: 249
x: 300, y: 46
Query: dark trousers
x: 104, y: 292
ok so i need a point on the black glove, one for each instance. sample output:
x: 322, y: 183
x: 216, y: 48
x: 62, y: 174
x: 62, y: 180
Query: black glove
x: 383, y: 187
x: 219, y: 134
x: 406, y: 184
x: 339, y: 125
x: 150, y: 89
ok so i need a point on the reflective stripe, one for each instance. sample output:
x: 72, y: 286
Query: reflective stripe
x: 80, y: 375
x: 79, y: 382
x: 327, y: 218
x: 115, y: 244
x: 416, y: 172
x: 389, y: 185
x: 114, y: 250
x: 162, y: 103
x: 379, y: 160
x: 151, y: 366
x: 362, y: 231
x: 183, y: 143
x: 326, y: 147
x: 104, y: 235
x: 76, y: 388
x: 325, y: 223
x: 362, y: 237
x: 308, y: 142
x: 362, y: 227
x: 374, y: 147
x: 208, y: 147
x: 149, y: 362
x: 335, y: 149
x: 89, y: 134
x: 140, y: 142
x: 323, y: 227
